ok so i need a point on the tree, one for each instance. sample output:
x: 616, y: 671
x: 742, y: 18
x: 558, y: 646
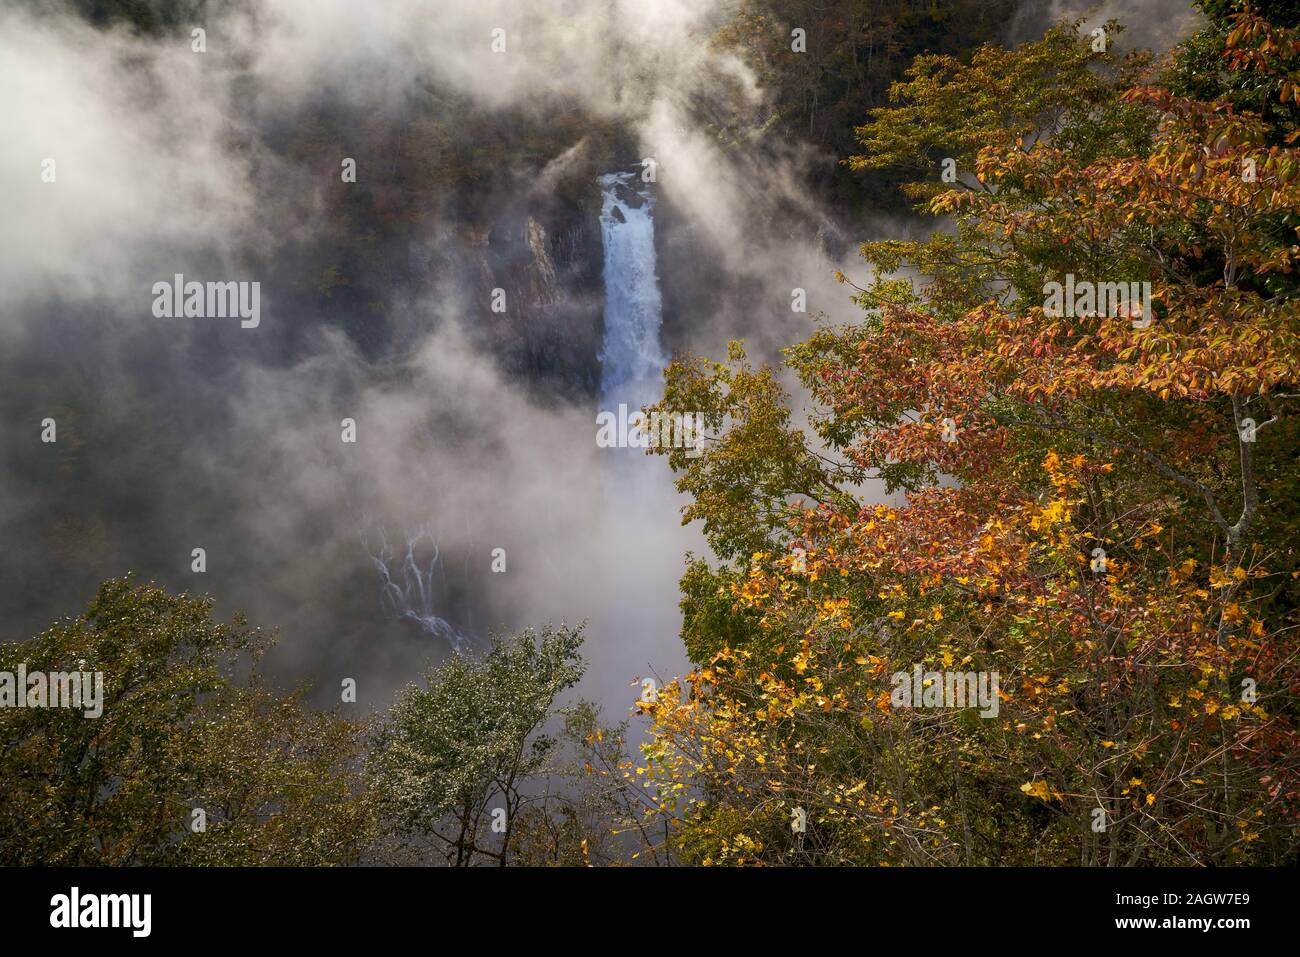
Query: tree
x: 452, y: 761
x: 1086, y: 492
x: 276, y: 784
x: 819, y: 83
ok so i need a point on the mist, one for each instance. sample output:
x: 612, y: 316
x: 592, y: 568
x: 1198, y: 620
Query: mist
x: 474, y: 428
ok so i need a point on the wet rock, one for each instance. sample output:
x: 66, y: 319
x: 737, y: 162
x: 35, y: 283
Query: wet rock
x: 628, y: 196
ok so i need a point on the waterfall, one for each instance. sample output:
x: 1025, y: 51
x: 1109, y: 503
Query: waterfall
x: 632, y: 359
x: 407, y: 585
x: 637, y: 620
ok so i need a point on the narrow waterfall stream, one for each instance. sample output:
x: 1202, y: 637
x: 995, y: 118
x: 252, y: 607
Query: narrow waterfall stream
x: 637, y: 630
x: 632, y: 359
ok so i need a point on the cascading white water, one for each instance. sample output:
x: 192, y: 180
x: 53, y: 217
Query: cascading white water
x: 638, y: 621
x: 407, y: 587
x: 632, y: 359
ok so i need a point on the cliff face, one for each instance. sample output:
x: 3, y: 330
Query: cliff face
x: 547, y: 262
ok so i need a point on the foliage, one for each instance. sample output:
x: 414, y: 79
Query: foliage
x: 277, y: 782
x: 1084, y: 509
x: 852, y: 50
x: 448, y: 755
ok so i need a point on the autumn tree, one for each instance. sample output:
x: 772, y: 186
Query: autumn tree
x: 1090, y: 493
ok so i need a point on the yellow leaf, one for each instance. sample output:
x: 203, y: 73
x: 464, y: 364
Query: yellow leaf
x: 1037, y: 789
